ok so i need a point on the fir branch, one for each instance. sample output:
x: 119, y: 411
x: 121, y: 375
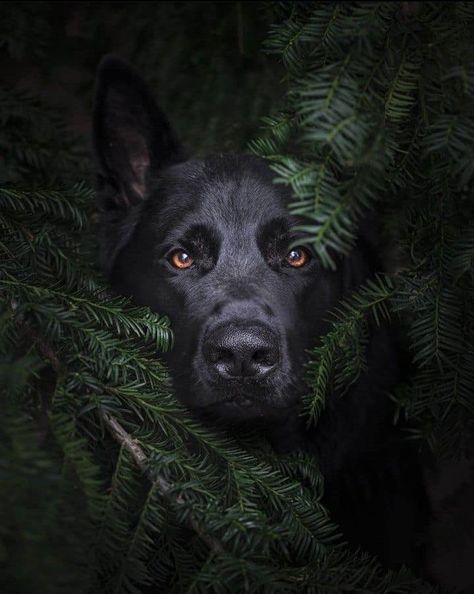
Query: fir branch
x: 165, y: 488
x: 61, y: 205
x: 341, y: 353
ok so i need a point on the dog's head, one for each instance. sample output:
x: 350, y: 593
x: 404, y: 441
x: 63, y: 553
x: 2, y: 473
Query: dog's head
x: 210, y: 243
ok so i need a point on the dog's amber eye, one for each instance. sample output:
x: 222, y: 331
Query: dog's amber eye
x: 181, y: 259
x: 297, y: 257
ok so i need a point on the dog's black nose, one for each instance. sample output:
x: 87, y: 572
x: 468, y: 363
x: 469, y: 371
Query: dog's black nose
x: 242, y: 351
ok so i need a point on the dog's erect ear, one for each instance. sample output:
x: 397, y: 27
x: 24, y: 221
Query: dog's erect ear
x: 132, y: 137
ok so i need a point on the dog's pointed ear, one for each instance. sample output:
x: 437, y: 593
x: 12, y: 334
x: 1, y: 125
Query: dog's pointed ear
x: 133, y: 138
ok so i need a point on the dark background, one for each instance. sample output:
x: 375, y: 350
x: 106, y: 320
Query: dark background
x: 203, y: 60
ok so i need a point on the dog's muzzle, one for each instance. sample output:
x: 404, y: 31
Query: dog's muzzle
x: 234, y: 351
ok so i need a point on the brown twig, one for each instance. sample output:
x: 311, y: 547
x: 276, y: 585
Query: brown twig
x: 164, y: 487
x: 46, y: 351
x: 127, y: 441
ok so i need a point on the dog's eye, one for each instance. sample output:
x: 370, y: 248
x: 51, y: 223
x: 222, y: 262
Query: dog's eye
x: 298, y: 257
x: 180, y: 259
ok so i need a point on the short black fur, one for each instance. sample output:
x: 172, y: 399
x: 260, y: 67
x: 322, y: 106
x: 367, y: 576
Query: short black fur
x: 243, y: 317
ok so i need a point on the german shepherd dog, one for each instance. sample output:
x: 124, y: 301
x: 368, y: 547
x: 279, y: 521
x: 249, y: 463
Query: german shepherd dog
x: 210, y: 243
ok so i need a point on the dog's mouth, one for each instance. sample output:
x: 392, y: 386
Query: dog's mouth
x: 240, y: 391
x: 247, y: 410
x: 243, y: 399
x: 243, y: 402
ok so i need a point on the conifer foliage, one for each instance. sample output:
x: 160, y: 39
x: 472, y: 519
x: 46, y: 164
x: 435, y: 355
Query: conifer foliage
x: 379, y: 116
x: 106, y: 483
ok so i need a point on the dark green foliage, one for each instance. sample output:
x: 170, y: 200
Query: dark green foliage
x: 25, y: 29
x: 32, y: 136
x: 106, y: 483
x: 379, y: 115
x: 175, y: 505
x: 340, y: 359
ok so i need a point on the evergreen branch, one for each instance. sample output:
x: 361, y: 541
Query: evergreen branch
x: 137, y: 321
x: 342, y: 350
x: 379, y: 113
x: 164, y: 487
x: 62, y: 205
x: 400, y: 96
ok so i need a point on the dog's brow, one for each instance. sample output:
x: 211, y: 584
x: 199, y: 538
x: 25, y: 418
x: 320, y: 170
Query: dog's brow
x: 278, y: 226
x: 201, y: 237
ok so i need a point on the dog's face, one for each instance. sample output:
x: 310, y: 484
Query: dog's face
x: 212, y: 250
x: 208, y: 242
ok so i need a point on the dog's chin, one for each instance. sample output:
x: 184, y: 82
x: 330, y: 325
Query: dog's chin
x: 235, y: 403
x: 239, y: 409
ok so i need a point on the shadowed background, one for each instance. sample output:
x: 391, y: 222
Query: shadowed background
x: 202, y: 59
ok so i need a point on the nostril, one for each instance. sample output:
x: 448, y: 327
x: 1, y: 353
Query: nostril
x: 225, y: 356
x: 217, y: 355
x: 264, y: 357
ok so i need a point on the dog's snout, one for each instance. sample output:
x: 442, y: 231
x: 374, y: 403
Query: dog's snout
x: 242, y: 351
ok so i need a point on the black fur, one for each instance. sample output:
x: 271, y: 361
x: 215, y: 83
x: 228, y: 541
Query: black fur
x: 243, y: 318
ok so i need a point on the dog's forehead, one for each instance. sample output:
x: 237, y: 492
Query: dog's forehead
x: 227, y: 191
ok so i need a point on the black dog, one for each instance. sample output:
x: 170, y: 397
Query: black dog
x: 208, y: 242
